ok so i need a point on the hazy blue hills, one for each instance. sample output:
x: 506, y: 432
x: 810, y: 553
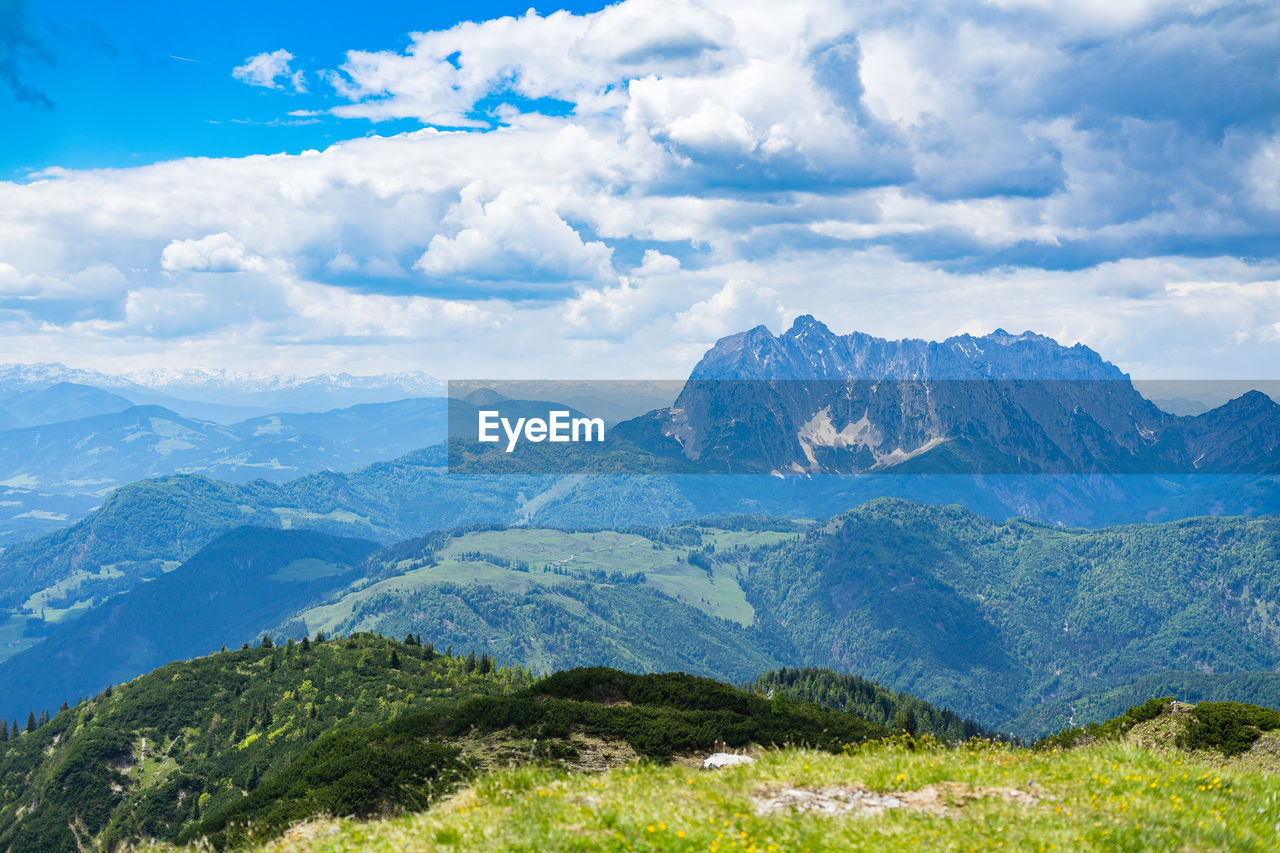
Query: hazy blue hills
x: 84, y: 459
x: 115, y: 448
x: 247, y: 579
x: 227, y: 396
x: 63, y: 401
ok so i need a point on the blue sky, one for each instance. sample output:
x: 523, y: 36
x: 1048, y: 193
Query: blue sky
x: 105, y: 86
x: 481, y: 189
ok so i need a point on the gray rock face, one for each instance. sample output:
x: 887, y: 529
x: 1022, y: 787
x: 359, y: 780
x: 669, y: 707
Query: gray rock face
x: 809, y: 350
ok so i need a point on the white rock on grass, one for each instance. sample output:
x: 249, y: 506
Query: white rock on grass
x: 726, y: 759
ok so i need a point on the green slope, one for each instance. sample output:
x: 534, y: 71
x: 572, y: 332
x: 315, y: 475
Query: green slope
x: 867, y: 699
x: 1011, y: 624
x: 239, y: 744
x: 147, y: 757
x: 884, y: 796
x: 224, y: 595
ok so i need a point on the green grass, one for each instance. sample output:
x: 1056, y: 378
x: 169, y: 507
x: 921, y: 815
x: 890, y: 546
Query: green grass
x: 605, y: 550
x: 555, y: 557
x: 13, y: 638
x: 1103, y: 797
x: 719, y: 595
x: 307, y: 569
x: 666, y: 569
x: 327, y: 617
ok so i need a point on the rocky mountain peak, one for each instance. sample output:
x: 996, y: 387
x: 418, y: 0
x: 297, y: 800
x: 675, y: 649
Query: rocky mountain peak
x: 810, y: 350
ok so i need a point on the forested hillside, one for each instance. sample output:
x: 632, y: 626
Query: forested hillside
x: 897, y: 711
x: 145, y: 758
x: 239, y: 744
x: 992, y: 620
x: 1018, y: 625
x: 223, y: 596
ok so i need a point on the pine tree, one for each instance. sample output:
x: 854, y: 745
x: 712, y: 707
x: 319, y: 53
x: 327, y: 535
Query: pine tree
x: 31, y: 721
x: 306, y: 644
x: 4, y: 730
x: 485, y: 664
x: 395, y: 660
x: 63, y: 707
x: 320, y: 638
x: 409, y: 640
x: 471, y: 661
x: 418, y: 639
x: 245, y: 646
x: 266, y: 642
x: 44, y: 717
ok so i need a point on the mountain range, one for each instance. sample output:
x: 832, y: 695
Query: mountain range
x: 233, y: 390
x: 810, y: 402
x: 825, y: 423
x: 1012, y: 623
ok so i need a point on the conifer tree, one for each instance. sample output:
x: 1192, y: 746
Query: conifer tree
x: 395, y: 660
x: 31, y: 721
x: 4, y: 730
x: 485, y: 664
x: 266, y: 642
x: 306, y: 643
x: 471, y: 661
x: 320, y: 638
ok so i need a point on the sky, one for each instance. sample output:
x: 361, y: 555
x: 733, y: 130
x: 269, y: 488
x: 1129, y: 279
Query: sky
x: 604, y: 191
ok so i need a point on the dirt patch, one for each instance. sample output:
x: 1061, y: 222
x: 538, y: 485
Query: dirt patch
x: 937, y: 798
x: 596, y: 754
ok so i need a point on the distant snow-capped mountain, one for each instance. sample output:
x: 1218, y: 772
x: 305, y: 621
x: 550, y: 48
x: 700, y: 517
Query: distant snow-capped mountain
x: 245, y: 389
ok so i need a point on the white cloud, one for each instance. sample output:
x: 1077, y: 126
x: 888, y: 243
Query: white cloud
x: 513, y: 237
x: 1264, y: 174
x: 737, y: 306
x: 213, y: 253
x: 271, y: 71
x: 706, y: 166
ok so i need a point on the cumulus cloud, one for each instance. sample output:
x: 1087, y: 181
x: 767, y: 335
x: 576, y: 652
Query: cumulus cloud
x: 213, y: 253
x: 513, y: 237
x: 736, y: 306
x: 271, y: 71
x: 645, y: 178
